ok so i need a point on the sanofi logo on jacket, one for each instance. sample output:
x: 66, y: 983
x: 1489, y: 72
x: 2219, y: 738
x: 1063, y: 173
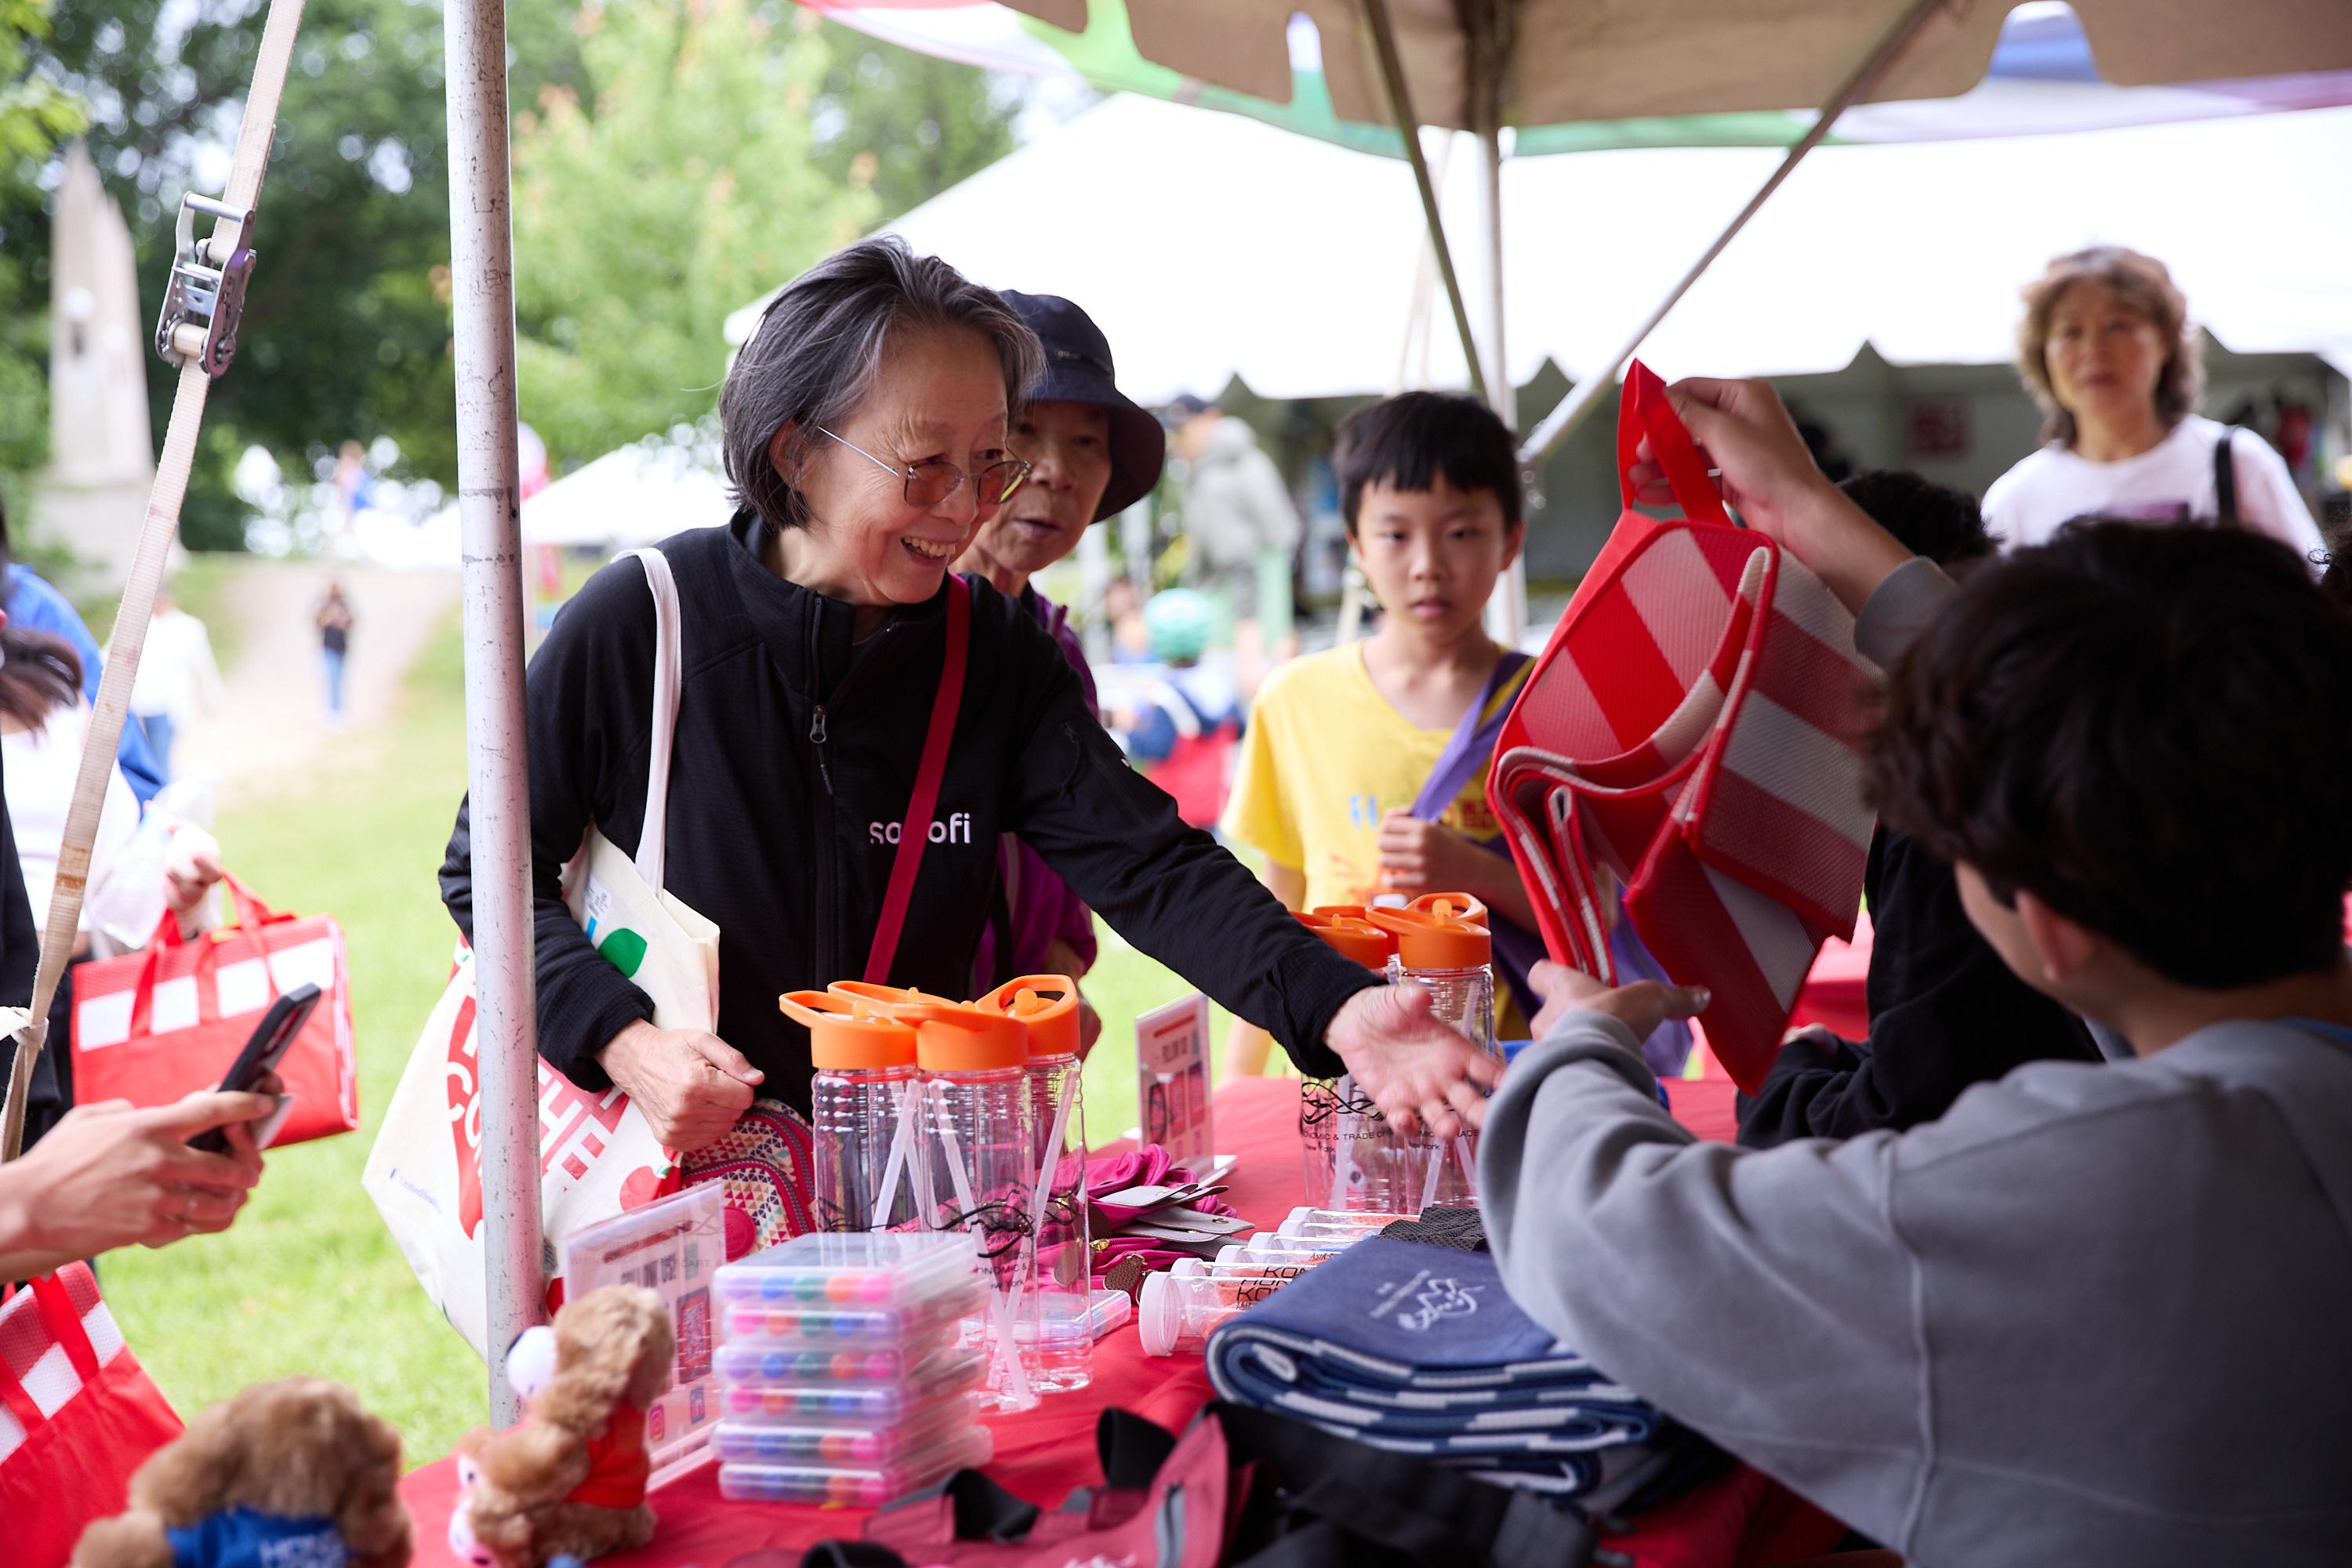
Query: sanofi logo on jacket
x: 953, y: 828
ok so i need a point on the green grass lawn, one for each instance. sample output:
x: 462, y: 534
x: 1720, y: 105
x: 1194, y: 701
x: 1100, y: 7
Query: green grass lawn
x: 308, y: 1281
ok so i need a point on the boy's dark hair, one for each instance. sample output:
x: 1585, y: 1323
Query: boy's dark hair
x: 1410, y: 441
x: 2148, y: 729
x: 1928, y: 519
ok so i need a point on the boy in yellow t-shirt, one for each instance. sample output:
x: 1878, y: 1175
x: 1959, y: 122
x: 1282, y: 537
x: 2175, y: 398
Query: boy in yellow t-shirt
x: 1340, y: 743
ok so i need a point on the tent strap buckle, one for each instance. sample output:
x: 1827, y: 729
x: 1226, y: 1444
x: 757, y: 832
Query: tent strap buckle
x: 205, y: 301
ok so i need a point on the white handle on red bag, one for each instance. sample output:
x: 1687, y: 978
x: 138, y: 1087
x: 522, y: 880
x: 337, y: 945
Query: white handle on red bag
x: 668, y: 637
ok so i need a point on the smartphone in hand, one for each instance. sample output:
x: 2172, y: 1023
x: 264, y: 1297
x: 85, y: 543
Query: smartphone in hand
x: 264, y: 1049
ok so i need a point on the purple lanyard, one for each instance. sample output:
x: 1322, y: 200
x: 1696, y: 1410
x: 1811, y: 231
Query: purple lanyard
x: 1471, y: 745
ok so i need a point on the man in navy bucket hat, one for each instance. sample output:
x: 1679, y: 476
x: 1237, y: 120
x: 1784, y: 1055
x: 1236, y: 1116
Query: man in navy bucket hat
x: 1092, y: 453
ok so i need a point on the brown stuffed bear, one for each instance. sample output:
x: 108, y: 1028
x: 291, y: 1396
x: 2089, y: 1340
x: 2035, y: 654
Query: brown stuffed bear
x: 288, y: 1472
x: 569, y: 1480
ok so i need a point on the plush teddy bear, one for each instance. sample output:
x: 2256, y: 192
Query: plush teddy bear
x: 569, y: 1480
x: 291, y: 1474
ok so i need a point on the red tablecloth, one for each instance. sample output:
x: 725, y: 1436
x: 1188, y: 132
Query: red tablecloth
x: 1044, y: 1453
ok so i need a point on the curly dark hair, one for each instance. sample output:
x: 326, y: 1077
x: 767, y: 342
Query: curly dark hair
x: 1943, y: 524
x: 2150, y: 729
x: 2141, y: 282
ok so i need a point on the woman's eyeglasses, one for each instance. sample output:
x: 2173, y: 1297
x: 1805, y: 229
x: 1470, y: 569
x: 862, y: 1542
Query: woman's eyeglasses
x: 932, y: 481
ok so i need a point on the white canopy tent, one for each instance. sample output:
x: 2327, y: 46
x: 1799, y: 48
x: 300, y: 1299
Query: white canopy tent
x: 640, y: 493
x: 1918, y: 248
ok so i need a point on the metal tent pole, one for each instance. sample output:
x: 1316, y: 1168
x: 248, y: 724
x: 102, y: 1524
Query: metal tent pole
x: 482, y: 263
x: 1580, y: 402
x: 1487, y: 46
x: 1376, y: 22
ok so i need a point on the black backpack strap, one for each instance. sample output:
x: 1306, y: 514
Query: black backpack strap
x: 851, y: 1554
x: 2225, y: 481
x: 1132, y: 1450
x: 985, y: 1511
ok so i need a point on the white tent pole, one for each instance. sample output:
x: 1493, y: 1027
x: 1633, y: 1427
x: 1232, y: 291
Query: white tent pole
x: 1601, y: 377
x: 489, y: 489
x: 1487, y: 50
x: 1376, y: 21
x: 1507, y: 607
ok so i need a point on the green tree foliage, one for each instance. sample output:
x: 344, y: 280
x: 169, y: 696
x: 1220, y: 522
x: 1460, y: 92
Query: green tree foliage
x: 679, y: 188
x: 35, y: 115
x: 730, y: 160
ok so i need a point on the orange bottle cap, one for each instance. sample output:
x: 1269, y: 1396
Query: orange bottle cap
x: 1048, y: 1006
x: 1436, y: 940
x: 1461, y: 906
x: 872, y: 1000
x: 842, y: 1036
x: 958, y: 1037
x: 1346, y: 929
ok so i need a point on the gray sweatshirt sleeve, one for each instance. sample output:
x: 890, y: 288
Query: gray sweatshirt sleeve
x: 1902, y: 605
x: 1761, y: 1296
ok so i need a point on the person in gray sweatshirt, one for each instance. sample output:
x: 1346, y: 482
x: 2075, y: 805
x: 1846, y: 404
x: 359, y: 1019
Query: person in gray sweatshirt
x: 2096, y: 1313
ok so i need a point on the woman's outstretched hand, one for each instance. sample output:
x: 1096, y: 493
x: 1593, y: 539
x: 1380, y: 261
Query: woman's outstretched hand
x: 1416, y: 1067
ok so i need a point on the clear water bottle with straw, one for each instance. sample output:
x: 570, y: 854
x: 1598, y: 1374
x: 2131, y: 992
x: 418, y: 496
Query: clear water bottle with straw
x: 980, y: 1143
x: 1352, y: 1160
x: 1059, y: 1339
x: 866, y: 1110
x: 1443, y: 941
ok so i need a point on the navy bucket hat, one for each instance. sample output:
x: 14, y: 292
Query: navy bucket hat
x: 1078, y: 370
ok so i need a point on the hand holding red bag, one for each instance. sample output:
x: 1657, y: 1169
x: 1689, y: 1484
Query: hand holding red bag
x: 1692, y: 731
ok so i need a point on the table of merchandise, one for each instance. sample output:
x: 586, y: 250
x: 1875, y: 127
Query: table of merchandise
x: 1042, y: 1454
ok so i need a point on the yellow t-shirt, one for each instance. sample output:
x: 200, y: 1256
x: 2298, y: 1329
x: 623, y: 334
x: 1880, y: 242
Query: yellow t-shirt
x: 1324, y: 758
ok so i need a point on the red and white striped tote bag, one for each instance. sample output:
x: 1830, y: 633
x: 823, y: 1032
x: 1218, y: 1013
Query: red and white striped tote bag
x: 1692, y: 731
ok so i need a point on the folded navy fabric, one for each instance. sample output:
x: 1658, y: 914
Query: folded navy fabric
x: 1420, y: 1350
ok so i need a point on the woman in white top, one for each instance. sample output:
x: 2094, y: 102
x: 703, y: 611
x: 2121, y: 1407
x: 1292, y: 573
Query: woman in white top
x: 43, y: 720
x: 2107, y: 350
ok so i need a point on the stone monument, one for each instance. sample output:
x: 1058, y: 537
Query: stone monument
x: 102, y: 454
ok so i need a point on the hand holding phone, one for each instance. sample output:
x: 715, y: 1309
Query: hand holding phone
x: 264, y: 1049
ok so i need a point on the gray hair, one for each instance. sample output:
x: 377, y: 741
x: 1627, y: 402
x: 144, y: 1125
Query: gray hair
x: 817, y: 352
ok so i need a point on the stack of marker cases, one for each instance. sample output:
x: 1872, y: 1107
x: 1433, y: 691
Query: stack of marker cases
x: 843, y: 1379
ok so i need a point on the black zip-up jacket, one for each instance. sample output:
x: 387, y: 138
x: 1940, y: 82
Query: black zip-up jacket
x: 1945, y: 1013
x: 794, y: 756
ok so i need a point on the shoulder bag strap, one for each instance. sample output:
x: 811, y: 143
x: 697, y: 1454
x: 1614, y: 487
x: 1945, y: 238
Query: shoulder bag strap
x: 2225, y: 481
x: 917, y: 829
x: 653, y: 838
x: 1472, y: 742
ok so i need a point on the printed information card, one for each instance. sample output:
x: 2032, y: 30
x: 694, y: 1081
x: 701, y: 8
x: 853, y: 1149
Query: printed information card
x: 1171, y: 1056
x: 671, y: 1247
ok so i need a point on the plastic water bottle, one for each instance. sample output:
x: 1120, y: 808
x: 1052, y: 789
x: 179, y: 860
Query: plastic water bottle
x: 980, y: 1143
x: 1179, y: 1313
x: 1058, y: 1341
x: 1339, y: 1133
x: 866, y: 1110
x: 1443, y: 941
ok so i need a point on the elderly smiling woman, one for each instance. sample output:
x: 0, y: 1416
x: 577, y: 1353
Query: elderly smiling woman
x: 866, y: 429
